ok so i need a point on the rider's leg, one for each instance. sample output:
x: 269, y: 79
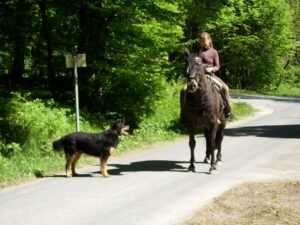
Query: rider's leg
x: 225, y: 94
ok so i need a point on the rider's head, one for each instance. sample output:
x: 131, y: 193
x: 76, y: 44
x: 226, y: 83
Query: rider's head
x: 205, y: 40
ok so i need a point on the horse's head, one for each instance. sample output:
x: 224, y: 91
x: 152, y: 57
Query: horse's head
x: 195, y: 71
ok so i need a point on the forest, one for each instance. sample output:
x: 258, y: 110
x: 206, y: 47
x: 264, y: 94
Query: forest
x: 134, y: 51
x: 134, y: 48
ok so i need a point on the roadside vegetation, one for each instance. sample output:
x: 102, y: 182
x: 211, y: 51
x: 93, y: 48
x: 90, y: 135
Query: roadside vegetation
x: 135, y: 66
x: 272, y: 202
x: 289, y: 90
x: 32, y: 125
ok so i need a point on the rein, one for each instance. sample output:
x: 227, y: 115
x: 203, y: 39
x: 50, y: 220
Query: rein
x: 201, y: 105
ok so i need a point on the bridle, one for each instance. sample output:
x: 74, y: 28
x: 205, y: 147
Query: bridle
x: 194, y: 75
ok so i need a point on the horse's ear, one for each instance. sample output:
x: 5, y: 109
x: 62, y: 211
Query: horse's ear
x: 186, y: 52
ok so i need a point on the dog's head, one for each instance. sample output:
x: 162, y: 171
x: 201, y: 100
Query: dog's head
x: 120, y: 128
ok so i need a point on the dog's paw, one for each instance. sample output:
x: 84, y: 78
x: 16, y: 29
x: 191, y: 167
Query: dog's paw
x: 106, y: 175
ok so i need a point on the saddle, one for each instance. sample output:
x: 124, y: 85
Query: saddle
x: 216, y: 84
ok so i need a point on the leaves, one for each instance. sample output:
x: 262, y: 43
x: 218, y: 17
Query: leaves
x: 132, y: 47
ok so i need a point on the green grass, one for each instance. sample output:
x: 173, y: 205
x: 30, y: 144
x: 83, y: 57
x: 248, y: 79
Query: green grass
x: 26, y: 150
x: 282, y: 90
x: 242, y: 109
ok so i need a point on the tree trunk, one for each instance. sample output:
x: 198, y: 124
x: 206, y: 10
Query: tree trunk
x: 19, y: 46
x: 47, y: 35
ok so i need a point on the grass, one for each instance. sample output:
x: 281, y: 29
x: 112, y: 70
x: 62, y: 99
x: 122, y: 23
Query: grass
x: 274, y: 202
x: 282, y: 90
x: 37, y: 124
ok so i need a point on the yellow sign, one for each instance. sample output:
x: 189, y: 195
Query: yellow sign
x: 80, y: 59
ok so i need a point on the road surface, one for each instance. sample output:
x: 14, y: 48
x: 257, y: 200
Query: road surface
x: 153, y: 187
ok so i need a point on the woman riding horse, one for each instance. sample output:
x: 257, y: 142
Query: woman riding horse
x: 211, y: 63
x: 201, y: 106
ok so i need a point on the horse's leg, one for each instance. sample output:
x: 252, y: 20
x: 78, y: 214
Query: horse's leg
x: 192, y: 144
x: 207, y: 138
x: 182, y: 104
x: 219, y: 139
x: 212, y: 145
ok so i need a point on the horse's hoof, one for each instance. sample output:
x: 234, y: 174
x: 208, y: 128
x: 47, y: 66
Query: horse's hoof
x: 192, y: 169
x: 213, y: 172
x: 206, y: 160
x: 219, y: 163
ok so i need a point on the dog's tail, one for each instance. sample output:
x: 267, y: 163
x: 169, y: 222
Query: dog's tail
x: 58, y: 145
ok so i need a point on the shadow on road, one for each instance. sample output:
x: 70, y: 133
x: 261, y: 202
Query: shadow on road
x: 64, y: 176
x: 140, y: 166
x: 274, y: 131
x: 149, y: 165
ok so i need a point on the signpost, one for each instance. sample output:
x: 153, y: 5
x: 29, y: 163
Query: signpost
x: 75, y: 61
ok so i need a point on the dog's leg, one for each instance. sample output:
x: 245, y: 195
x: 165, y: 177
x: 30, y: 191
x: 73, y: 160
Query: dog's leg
x: 111, y: 150
x: 103, y: 164
x: 74, y: 161
x: 68, y: 165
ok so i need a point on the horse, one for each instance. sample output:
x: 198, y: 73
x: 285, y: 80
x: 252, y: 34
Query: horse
x: 202, y: 106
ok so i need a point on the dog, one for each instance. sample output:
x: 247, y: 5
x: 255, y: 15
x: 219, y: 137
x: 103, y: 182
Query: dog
x: 95, y: 144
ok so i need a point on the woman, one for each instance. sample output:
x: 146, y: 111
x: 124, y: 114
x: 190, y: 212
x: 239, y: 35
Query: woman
x: 211, y: 63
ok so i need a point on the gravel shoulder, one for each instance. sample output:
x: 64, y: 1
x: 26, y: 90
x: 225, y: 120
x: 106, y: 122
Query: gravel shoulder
x: 272, y: 202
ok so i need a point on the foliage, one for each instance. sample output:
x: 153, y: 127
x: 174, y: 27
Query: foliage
x: 255, y: 41
x: 25, y: 140
x: 258, y: 40
x: 29, y: 125
x: 127, y: 53
x: 132, y: 47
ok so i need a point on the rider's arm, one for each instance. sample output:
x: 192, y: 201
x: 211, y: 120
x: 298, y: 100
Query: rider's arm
x: 216, y: 63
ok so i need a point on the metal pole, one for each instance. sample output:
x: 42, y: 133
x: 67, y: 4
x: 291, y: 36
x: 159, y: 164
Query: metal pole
x: 76, y: 93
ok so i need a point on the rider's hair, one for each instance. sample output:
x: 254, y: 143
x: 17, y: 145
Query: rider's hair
x: 204, y: 35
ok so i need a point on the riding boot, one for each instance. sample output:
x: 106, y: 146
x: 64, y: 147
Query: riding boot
x: 227, y: 108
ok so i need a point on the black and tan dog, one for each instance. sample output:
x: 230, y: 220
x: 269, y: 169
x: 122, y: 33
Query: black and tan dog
x: 97, y: 144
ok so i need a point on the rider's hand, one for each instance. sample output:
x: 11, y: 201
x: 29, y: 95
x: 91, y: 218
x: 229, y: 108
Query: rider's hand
x: 209, y: 70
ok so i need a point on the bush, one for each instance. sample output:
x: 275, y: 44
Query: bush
x: 31, y: 126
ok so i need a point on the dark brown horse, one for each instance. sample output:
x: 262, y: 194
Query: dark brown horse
x: 201, y: 106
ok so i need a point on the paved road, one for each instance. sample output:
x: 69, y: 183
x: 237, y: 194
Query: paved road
x: 153, y: 187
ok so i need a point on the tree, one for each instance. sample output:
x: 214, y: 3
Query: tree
x: 254, y: 38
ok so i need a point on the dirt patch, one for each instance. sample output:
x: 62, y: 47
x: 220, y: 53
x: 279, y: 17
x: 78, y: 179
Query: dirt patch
x: 259, y: 203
